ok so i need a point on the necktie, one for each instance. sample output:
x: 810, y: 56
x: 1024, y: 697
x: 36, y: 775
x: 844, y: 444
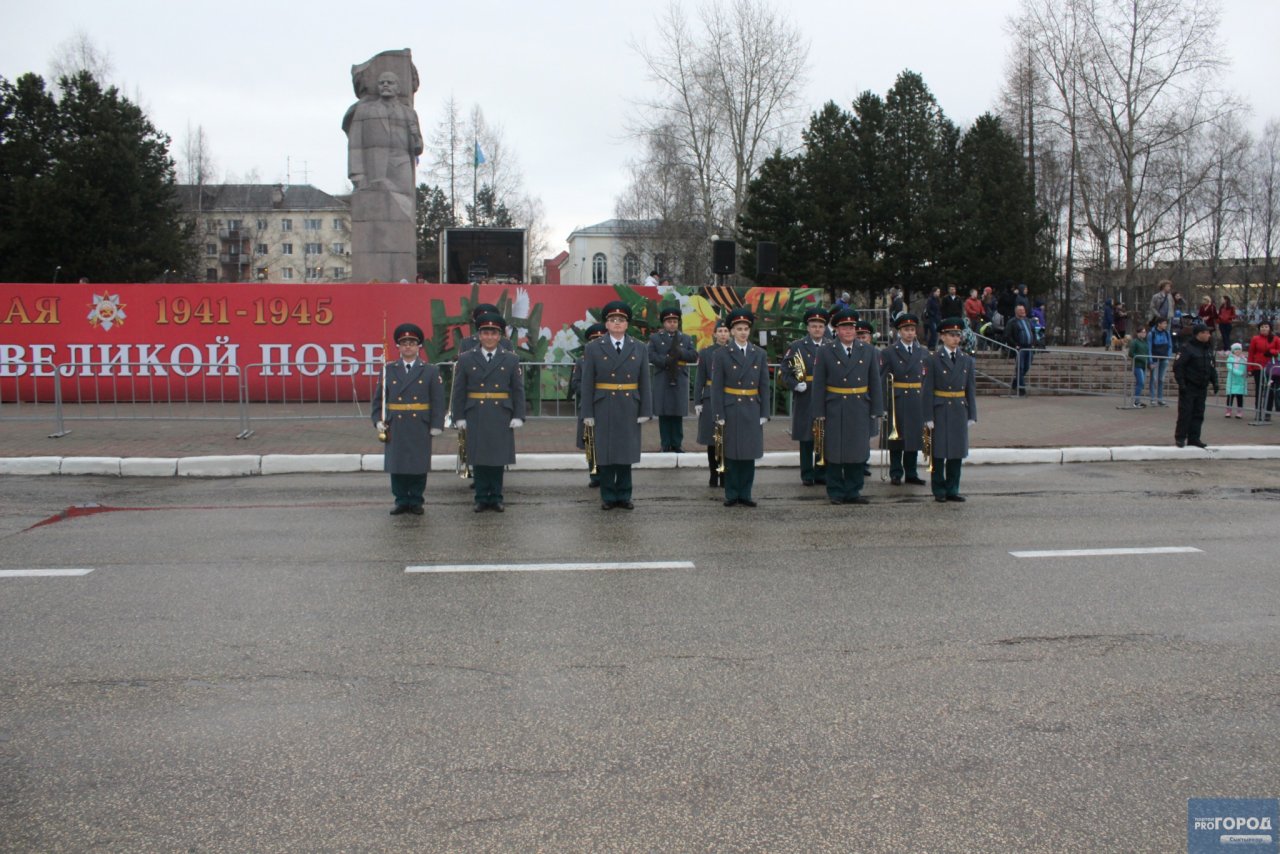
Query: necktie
x: 848, y: 352
x: 953, y: 357
x: 618, y: 346
x: 488, y: 357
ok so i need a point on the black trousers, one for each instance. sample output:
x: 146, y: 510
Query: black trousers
x: 615, y: 483
x: 671, y: 432
x: 1190, y: 413
x: 845, y: 480
x: 488, y: 484
x: 810, y: 472
x: 408, y: 489
x: 739, y: 477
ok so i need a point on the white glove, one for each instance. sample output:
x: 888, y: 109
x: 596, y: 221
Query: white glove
x: 516, y: 423
x: 763, y: 421
x: 929, y: 424
x: 720, y: 421
x: 642, y: 419
x: 382, y: 426
x: 697, y: 410
x: 972, y: 422
x: 588, y: 422
x: 436, y: 431
x: 802, y: 387
x: 461, y: 424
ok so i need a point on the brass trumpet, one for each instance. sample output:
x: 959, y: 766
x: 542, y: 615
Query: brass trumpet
x: 928, y: 447
x: 819, y: 441
x: 589, y: 446
x: 461, y: 466
x: 719, y: 440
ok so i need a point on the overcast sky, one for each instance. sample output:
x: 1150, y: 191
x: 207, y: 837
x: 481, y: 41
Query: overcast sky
x: 270, y: 83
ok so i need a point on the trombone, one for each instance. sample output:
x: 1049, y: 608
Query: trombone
x: 460, y: 465
x: 719, y: 442
x: 888, y: 428
x: 819, y: 441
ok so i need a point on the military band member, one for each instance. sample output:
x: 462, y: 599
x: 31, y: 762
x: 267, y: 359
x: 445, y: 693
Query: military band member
x: 594, y: 331
x: 903, y: 366
x: 671, y: 352
x: 473, y: 340
x: 616, y: 401
x: 414, y: 412
x: 801, y: 388
x: 950, y: 407
x: 702, y: 394
x: 740, y: 399
x: 848, y: 397
x: 488, y: 402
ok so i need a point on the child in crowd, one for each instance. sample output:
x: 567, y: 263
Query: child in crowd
x: 1236, y: 370
x: 1140, y: 354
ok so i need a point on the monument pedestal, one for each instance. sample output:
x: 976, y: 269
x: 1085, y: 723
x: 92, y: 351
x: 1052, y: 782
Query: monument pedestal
x: 383, y: 237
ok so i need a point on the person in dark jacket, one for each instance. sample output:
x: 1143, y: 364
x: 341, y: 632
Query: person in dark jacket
x: 1022, y: 336
x: 702, y: 397
x: 952, y: 304
x: 1194, y: 371
x: 408, y: 414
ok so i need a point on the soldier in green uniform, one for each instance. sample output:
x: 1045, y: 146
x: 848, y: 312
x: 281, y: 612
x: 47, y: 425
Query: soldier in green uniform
x: 408, y: 406
x: 847, y: 398
x: 702, y: 394
x: 671, y: 352
x: 904, y: 364
x: 594, y: 331
x: 740, y: 400
x: 797, y: 375
x: 616, y: 401
x: 488, y: 402
x: 950, y: 406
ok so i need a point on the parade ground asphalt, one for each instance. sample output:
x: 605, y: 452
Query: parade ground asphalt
x: 1006, y: 424
x: 276, y: 664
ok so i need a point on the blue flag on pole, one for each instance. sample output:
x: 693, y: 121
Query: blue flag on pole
x: 479, y: 153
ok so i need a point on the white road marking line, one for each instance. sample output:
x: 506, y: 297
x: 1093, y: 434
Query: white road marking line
x: 41, y: 573
x: 1154, y: 550
x: 550, y: 567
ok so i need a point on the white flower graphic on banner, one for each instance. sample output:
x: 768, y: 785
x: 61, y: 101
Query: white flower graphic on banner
x: 107, y: 311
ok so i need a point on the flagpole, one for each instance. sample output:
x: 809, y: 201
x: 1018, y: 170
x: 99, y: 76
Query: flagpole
x: 475, y: 170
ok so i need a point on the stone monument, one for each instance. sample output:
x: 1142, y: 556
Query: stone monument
x: 383, y: 144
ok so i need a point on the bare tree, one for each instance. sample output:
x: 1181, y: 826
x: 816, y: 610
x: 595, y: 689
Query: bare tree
x: 1222, y: 193
x: 195, y: 163
x: 1146, y: 68
x: 728, y: 93
x: 1261, y: 236
x: 78, y: 53
x: 447, y: 144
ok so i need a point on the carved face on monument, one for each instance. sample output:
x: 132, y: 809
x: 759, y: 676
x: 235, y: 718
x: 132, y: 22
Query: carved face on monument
x: 388, y: 85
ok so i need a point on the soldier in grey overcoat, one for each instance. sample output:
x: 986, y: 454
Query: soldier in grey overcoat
x: 950, y: 407
x: 412, y: 414
x: 671, y: 352
x: 702, y: 396
x: 616, y: 401
x: 740, y: 388
x: 594, y: 331
x: 801, y: 388
x: 903, y: 364
x: 848, y: 397
x: 488, y: 402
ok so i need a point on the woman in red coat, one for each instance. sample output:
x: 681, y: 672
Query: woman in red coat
x: 1226, y: 317
x: 1263, y: 347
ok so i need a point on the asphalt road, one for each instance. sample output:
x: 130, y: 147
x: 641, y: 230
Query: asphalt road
x: 250, y: 667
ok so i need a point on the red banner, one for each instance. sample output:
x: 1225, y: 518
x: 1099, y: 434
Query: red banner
x: 215, y: 342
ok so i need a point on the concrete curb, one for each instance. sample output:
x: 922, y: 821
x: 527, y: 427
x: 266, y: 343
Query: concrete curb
x: 246, y: 465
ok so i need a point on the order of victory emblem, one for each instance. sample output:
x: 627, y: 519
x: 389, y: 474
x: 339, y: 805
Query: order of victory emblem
x: 107, y: 311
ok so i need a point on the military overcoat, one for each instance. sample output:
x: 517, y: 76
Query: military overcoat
x: 848, y: 393
x: 801, y: 401
x: 702, y: 394
x: 415, y: 406
x: 615, y: 392
x: 950, y: 402
x: 906, y: 372
x: 740, y: 397
x: 487, y: 395
x: 671, y: 379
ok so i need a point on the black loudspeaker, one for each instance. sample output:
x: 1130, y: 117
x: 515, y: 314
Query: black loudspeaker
x: 766, y: 258
x: 724, y: 257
